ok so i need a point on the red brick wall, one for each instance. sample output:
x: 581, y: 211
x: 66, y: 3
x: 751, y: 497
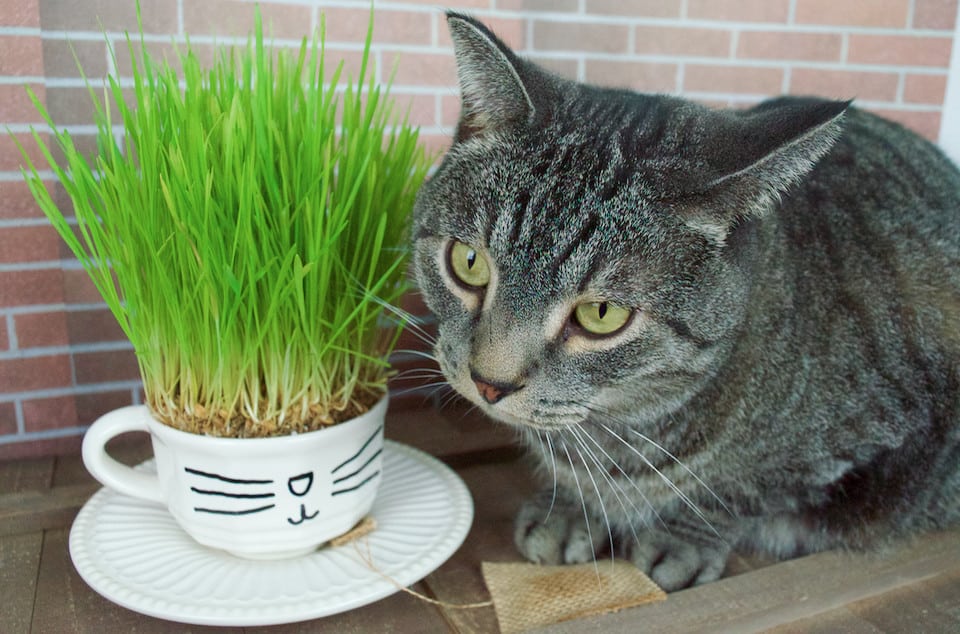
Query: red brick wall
x: 63, y: 360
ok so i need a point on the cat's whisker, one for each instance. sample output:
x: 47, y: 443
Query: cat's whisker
x: 622, y: 498
x: 666, y: 480
x: 553, y: 464
x: 583, y: 505
x: 407, y: 319
x: 547, y: 446
x: 672, y: 457
x: 430, y: 389
x: 617, y: 487
x: 421, y: 333
x: 417, y: 353
x: 680, y: 464
x: 603, y: 509
x: 418, y: 373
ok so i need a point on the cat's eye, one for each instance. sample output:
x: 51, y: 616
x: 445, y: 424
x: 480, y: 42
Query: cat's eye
x: 601, y: 318
x: 468, y: 266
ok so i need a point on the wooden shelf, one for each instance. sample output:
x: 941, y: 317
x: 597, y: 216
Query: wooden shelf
x: 913, y: 586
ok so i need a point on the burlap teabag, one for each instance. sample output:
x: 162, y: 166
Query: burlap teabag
x: 526, y: 596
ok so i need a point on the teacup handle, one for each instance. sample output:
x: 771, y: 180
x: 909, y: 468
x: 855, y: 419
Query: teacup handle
x: 108, y: 471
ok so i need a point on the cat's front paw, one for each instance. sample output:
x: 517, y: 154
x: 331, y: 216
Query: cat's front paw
x: 551, y: 532
x: 674, y: 563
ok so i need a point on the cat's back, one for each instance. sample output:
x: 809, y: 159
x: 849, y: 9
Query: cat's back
x: 872, y: 238
x: 888, y: 185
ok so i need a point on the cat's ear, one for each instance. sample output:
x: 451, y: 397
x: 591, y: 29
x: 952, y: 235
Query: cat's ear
x: 757, y: 155
x: 494, y: 96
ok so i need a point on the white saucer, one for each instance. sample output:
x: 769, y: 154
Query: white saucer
x: 134, y: 554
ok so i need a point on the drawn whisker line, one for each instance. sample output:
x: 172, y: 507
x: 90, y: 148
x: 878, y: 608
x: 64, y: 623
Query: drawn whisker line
x: 363, y: 482
x: 260, y: 509
x: 360, y: 452
x: 362, y: 467
x: 239, y: 496
x: 217, y: 476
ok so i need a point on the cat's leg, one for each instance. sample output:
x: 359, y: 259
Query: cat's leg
x: 552, y: 529
x: 680, y: 554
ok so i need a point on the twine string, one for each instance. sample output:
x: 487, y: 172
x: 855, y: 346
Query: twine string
x: 360, y: 534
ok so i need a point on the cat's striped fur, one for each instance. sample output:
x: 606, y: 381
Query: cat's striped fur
x: 788, y: 380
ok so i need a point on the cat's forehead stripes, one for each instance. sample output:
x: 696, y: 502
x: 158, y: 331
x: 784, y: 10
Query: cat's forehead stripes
x: 549, y: 219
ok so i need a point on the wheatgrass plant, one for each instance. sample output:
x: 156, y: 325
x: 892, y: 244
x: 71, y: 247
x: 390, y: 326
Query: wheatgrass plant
x: 245, y: 231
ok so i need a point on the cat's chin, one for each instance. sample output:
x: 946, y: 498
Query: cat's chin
x: 525, y: 423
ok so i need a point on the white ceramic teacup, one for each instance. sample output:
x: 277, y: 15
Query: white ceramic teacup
x: 259, y: 498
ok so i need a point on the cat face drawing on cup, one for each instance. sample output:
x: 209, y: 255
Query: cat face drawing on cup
x: 300, y: 498
x: 257, y: 498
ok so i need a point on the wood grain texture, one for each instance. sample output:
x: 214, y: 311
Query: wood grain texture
x: 798, y: 589
x: 25, y: 475
x: 38, y: 510
x: 66, y: 604
x: 914, y: 586
x: 19, y: 560
x: 497, y: 490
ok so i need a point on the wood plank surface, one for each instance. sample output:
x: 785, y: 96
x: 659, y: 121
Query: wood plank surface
x: 38, y: 510
x: 19, y: 562
x: 65, y: 603
x: 794, y: 590
x: 932, y: 605
x: 397, y: 613
x: 912, y: 587
x: 25, y: 475
x: 497, y: 489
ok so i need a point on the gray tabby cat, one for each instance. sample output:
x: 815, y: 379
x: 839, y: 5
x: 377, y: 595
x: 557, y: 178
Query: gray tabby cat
x: 714, y: 329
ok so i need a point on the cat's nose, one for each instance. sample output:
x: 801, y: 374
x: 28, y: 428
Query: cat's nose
x: 493, y: 391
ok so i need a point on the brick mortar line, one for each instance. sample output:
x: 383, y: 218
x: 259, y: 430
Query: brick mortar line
x: 88, y: 389
x: 729, y: 25
x: 46, y: 434
x: 12, y: 342
x: 70, y: 349
x: 18, y: 414
x: 23, y: 267
x: 52, y: 308
x: 73, y: 390
x: 15, y: 80
x: 65, y: 264
x: 860, y: 103
x: 21, y: 31
x: 549, y: 54
x: 902, y: 88
x: 16, y: 177
x: 16, y: 223
x: 739, y: 61
x: 544, y: 18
